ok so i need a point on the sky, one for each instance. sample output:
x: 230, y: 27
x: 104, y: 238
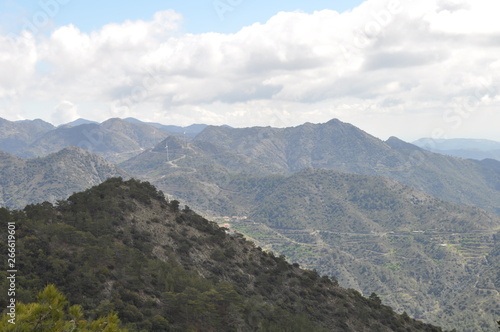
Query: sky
x: 402, y: 68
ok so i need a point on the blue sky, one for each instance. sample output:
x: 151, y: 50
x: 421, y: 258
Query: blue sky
x: 224, y: 16
x: 401, y: 68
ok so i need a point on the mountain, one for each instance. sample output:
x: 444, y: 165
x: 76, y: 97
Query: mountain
x: 16, y: 136
x: 122, y: 247
x: 79, y: 122
x: 196, y: 172
x: 114, y: 139
x: 340, y: 146
x: 218, y: 154
x: 457, y: 144
x: 190, y: 131
x: 420, y: 254
x: 333, y: 145
x: 372, y: 225
x: 462, y: 147
x: 51, y: 178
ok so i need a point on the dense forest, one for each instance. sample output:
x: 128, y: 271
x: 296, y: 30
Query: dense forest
x: 122, y: 248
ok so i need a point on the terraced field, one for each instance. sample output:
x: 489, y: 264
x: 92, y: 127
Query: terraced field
x: 414, y: 271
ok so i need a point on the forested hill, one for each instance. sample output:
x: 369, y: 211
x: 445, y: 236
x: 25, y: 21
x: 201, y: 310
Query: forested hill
x: 343, y: 147
x: 122, y: 247
x: 53, y: 177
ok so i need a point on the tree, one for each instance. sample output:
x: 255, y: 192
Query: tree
x: 174, y: 205
x: 51, y: 313
x: 374, y: 297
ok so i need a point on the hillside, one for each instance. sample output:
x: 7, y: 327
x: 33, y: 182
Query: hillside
x: 195, y: 172
x: 121, y: 246
x: 115, y: 139
x: 422, y: 255
x: 18, y: 135
x: 51, y: 178
x: 265, y: 150
x: 340, y: 146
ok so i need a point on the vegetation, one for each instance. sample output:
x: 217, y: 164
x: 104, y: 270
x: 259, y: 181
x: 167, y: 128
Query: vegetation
x: 52, y: 177
x: 51, y: 314
x: 421, y: 255
x: 122, y: 248
x: 424, y: 256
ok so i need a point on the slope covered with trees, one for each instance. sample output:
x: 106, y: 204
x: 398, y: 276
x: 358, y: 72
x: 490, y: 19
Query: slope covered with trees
x: 422, y: 255
x: 51, y: 178
x: 341, y: 146
x: 121, y: 247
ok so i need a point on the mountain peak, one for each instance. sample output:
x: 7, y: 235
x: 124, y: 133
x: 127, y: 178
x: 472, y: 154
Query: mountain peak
x: 335, y: 121
x: 78, y: 122
x: 397, y: 143
x: 171, y: 143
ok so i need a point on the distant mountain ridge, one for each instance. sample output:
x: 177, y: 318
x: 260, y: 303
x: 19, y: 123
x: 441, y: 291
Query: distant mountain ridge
x: 114, y: 139
x: 463, y: 148
x: 343, y: 147
x: 18, y: 135
x: 79, y: 122
x: 265, y: 150
x: 191, y: 130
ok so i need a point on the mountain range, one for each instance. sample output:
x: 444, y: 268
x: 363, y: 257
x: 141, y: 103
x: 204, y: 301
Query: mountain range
x: 115, y: 139
x: 417, y: 227
x: 218, y: 152
x: 478, y: 149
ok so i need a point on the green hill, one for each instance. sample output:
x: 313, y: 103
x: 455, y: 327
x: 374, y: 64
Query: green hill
x: 51, y: 178
x: 421, y: 254
x: 122, y: 247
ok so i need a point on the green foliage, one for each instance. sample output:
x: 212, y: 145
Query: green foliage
x: 174, y: 205
x: 51, y: 314
x: 102, y: 250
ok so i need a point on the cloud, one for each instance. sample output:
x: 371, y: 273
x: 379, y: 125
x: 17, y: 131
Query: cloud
x: 452, y: 5
x: 64, y: 112
x: 18, y: 56
x: 401, y: 59
x: 383, y: 58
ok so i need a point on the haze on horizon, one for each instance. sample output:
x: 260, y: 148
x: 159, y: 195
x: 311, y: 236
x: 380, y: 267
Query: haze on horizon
x: 390, y: 67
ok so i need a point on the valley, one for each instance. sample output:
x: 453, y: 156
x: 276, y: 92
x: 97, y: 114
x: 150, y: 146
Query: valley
x: 417, y: 228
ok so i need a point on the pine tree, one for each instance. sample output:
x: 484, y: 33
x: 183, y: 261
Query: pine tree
x: 51, y: 314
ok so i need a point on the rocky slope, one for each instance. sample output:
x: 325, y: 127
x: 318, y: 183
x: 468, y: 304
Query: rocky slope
x: 51, y: 178
x: 122, y: 247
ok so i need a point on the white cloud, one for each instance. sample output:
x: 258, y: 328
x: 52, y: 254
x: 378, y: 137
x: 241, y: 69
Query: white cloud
x: 65, y: 112
x: 18, y: 55
x: 386, y: 59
